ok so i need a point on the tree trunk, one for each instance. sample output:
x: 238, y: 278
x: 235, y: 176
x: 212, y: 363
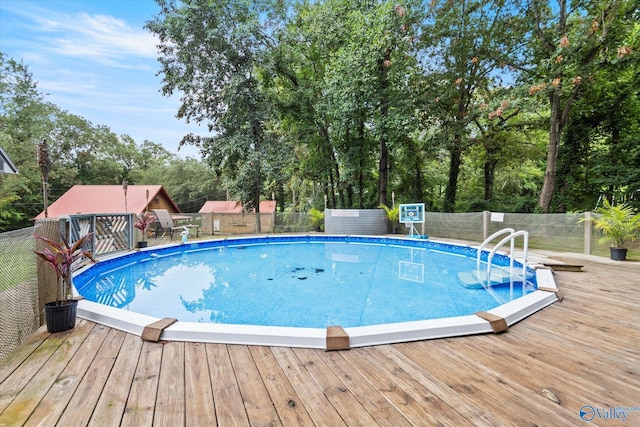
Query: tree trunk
x: 383, y: 167
x: 449, y: 203
x: 334, y: 171
x: 555, y: 130
x: 489, y: 178
x: 257, y: 138
x: 258, y: 225
x: 383, y: 173
x: 361, y: 165
x: 418, y: 192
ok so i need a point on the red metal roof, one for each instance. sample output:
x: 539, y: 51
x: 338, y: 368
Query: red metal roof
x: 222, y: 207
x: 99, y: 199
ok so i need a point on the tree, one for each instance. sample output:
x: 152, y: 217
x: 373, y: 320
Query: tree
x: 190, y: 183
x: 370, y: 98
x: 468, y: 47
x: 80, y: 152
x: 210, y: 51
x: 599, y: 156
x: 294, y: 81
x: 570, y: 41
x: 341, y: 76
x: 24, y: 119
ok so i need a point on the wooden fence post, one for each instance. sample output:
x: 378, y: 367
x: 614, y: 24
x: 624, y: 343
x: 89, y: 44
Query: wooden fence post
x: 587, y: 233
x: 485, y: 225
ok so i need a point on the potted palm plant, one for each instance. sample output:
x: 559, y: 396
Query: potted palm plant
x: 618, y: 225
x: 317, y: 218
x: 142, y: 222
x: 60, y: 315
x: 393, y: 215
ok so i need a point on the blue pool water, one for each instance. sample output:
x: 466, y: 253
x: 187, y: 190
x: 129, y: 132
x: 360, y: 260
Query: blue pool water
x: 300, y: 281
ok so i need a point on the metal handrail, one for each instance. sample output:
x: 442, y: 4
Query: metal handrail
x: 511, y: 238
x: 488, y: 240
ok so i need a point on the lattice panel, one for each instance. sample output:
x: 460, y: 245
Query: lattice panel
x: 112, y: 232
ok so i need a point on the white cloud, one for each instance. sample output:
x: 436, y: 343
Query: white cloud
x: 79, y: 32
x: 96, y: 65
x: 103, y: 38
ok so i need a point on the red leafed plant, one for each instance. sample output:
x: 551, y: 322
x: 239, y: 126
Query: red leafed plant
x: 142, y: 222
x: 62, y: 256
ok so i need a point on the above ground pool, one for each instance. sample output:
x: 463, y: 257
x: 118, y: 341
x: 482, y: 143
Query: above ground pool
x: 288, y: 290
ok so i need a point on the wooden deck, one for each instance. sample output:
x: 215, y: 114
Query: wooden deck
x: 584, y: 350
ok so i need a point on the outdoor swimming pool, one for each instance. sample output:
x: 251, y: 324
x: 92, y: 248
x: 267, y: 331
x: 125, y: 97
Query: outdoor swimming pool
x: 298, y: 284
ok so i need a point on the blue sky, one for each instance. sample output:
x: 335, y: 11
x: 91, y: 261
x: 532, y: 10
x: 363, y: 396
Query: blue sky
x: 94, y: 59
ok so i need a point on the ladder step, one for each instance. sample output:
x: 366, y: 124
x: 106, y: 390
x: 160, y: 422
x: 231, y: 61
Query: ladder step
x: 475, y: 280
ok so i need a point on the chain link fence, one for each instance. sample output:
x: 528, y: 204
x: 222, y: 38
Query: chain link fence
x: 563, y: 232
x: 555, y: 232
x: 19, y: 316
x: 293, y: 222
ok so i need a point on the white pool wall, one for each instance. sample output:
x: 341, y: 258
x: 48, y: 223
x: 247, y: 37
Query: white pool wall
x: 361, y: 336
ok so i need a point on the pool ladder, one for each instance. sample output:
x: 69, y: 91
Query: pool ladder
x: 510, y: 238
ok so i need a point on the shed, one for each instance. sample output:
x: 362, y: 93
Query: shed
x: 234, y: 207
x: 227, y: 217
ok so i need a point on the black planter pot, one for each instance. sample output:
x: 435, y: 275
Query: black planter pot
x: 60, y: 317
x: 618, y: 254
x: 142, y: 245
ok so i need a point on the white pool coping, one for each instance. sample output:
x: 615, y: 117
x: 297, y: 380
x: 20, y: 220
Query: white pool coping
x: 361, y: 336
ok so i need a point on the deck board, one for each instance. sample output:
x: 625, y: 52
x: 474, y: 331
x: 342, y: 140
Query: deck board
x: 199, y: 406
x: 91, y: 386
x: 585, y: 350
x: 341, y: 398
x: 309, y: 393
x: 141, y: 402
x: 364, y: 390
x: 34, y: 392
x: 67, y: 391
x: 255, y: 397
x: 284, y: 398
x: 16, y: 359
x: 170, y: 392
x: 226, y: 391
x: 110, y: 407
x: 398, y: 382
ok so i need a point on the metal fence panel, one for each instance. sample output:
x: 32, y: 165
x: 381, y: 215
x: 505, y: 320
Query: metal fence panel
x: 356, y: 221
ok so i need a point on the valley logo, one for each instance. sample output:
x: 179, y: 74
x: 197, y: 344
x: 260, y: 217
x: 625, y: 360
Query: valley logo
x: 589, y: 413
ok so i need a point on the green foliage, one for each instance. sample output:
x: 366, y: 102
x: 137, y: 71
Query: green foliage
x: 189, y: 182
x: 461, y: 105
x: 618, y: 223
x: 469, y: 46
x: 393, y: 214
x: 600, y: 153
x: 570, y: 45
x: 317, y: 217
x: 7, y: 215
x: 210, y: 51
